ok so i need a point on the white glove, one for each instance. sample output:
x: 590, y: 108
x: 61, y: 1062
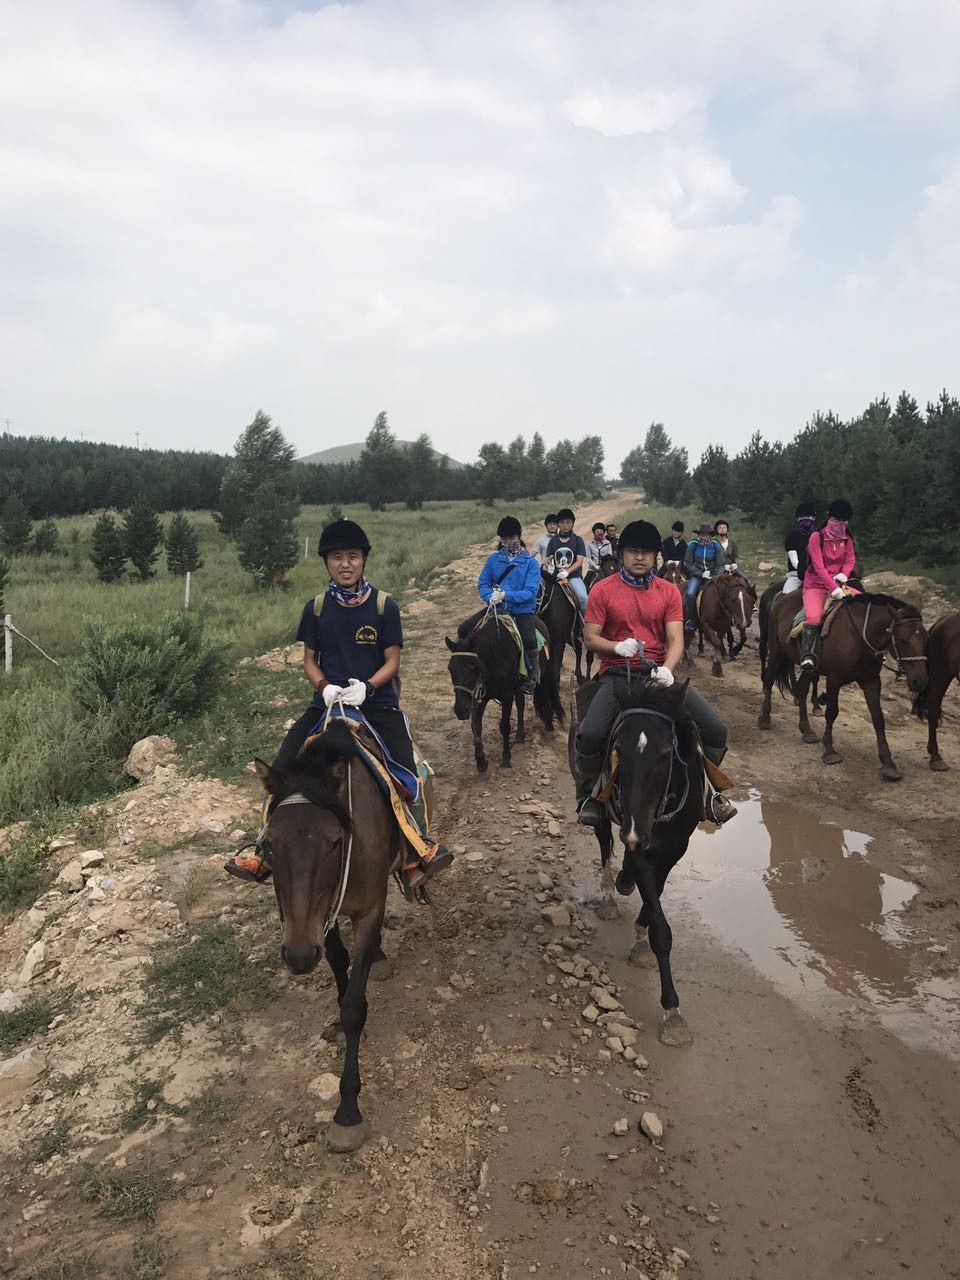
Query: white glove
x: 627, y: 648
x: 497, y: 595
x: 661, y: 676
x: 331, y: 692
x: 840, y: 578
x: 562, y: 574
x: 837, y: 593
x: 549, y: 568
x: 732, y: 568
x: 706, y: 574
x: 355, y: 693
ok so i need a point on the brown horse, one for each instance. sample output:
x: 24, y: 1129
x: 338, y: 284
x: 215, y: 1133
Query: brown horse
x: 864, y: 631
x: 331, y: 830
x: 672, y: 571
x: 726, y: 602
x: 943, y: 665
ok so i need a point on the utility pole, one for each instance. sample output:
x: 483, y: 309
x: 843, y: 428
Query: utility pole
x: 137, y: 434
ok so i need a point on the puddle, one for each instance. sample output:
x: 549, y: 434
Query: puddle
x: 805, y: 902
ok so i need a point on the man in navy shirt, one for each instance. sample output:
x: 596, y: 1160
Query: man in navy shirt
x: 569, y: 553
x: 352, y: 637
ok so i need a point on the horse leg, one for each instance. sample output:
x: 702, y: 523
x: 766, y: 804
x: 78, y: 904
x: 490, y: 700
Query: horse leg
x: 830, y: 754
x: 476, y: 726
x: 673, y: 1029
x: 346, y: 1132
x: 607, y: 906
x: 578, y: 657
x: 871, y: 691
x: 505, y: 708
x: 521, y: 707
x: 807, y: 731
x: 816, y: 706
x: 769, y: 679
x: 717, y: 643
x: 556, y: 660
x: 935, y: 691
x: 338, y: 958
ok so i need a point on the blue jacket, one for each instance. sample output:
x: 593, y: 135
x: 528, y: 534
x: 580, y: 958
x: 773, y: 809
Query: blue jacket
x: 702, y: 556
x: 521, y: 584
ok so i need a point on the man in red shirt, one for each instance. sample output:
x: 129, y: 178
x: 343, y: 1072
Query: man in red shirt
x: 636, y: 617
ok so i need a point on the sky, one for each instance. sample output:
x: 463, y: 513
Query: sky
x: 571, y: 216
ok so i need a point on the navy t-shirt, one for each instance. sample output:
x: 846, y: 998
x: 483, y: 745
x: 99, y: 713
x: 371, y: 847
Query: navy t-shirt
x: 565, y: 547
x: 351, y: 642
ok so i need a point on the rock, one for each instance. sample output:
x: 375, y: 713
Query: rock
x: 651, y: 1125
x: 766, y: 566
x: 559, y: 917
x: 591, y: 1013
x: 570, y: 943
x: 621, y: 1128
x: 91, y: 858
x: 627, y: 1034
x: 475, y: 855
x: 71, y: 876
x: 326, y: 1087
x: 61, y: 842
x: 10, y: 1002
x: 553, y: 828
x: 17, y: 1074
x: 640, y: 1062
x: 545, y: 881
x: 615, y: 1044
x: 604, y: 1000
x: 96, y: 894
x: 33, y: 962
x: 147, y: 755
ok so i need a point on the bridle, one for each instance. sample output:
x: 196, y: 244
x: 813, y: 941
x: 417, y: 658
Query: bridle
x: 478, y: 692
x: 663, y: 814
x: 891, y: 641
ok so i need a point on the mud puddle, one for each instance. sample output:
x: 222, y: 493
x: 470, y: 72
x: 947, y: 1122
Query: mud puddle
x: 815, y: 914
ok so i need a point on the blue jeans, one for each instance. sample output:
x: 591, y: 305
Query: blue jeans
x: 692, y: 588
x: 579, y: 588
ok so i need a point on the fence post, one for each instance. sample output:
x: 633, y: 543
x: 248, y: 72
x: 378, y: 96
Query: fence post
x: 306, y: 548
x: 186, y: 591
x: 8, y: 644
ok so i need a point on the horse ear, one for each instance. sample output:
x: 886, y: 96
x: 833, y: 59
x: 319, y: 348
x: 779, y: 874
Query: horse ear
x: 269, y: 779
x: 451, y: 645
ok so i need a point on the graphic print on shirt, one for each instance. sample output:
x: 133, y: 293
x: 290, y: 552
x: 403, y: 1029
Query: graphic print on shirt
x: 366, y: 635
x: 564, y: 557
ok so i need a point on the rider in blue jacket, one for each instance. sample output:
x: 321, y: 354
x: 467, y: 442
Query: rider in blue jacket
x: 510, y: 582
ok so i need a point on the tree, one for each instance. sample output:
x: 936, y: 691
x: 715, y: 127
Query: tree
x: 15, y: 526
x: 380, y: 464
x: 657, y: 467
x: 46, y: 539
x: 106, y: 549
x: 712, y: 480
x: 267, y: 543
x: 421, y: 469
x: 588, y: 464
x: 759, y: 477
x: 262, y: 458
x: 182, y: 547
x: 493, y: 473
x: 142, y: 538
x: 538, y: 477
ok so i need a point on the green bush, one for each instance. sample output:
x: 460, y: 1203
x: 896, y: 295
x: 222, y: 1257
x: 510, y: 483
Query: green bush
x: 146, y: 677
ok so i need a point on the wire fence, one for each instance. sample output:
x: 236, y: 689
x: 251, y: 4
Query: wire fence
x: 9, y: 631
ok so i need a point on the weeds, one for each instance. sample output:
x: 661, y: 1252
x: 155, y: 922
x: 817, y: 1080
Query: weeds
x: 125, y: 1197
x: 34, y: 1015
x: 80, y: 1266
x: 140, y: 1109
x: 212, y: 1107
x: 71, y: 1082
x: 54, y: 1141
x: 149, y: 1262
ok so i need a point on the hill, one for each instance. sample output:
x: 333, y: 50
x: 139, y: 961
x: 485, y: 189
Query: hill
x: 351, y: 452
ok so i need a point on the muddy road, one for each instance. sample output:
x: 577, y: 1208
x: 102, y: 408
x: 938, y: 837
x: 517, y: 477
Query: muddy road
x: 810, y: 1130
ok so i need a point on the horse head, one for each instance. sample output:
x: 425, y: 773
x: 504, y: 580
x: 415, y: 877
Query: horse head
x: 908, y: 645
x: 738, y: 598
x: 649, y: 760
x: 307, y: 830
x: 672, y: 571
x: 465, y: 675
x: 609, y: 565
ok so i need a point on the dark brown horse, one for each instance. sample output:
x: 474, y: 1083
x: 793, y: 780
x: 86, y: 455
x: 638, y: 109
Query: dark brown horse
x: 484, y: 667
x: 943, y: 666
x: 763, y: 622
x: 726, y: 603
x: 672, y: 571
x: 564, y: 625
x: 331, y: 831
x: 609, y: 565
x: 866, y: 629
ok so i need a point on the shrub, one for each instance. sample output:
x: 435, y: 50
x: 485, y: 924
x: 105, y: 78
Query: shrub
x: 106, y: 549
x: 142, y: 538
x: 46, y: 539
x: 183, y: 547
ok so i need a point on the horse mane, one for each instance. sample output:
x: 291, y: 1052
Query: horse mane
x: 311, y: 774
x: 642, y: 695
x: 878, y: 598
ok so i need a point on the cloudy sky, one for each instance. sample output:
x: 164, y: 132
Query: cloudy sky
x: 487, y: 218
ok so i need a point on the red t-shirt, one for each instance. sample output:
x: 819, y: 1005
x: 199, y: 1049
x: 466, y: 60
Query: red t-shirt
x: 622, y: 611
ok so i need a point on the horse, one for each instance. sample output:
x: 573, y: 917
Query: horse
x: 866, y: 628
x: 561, y: 618
x: 331, y: 832
x: 609, y: 565
x: 943, y: 665
x: 484, y: 668
x: 775, y: 589
x: 657, y: 802
x: 725, y: 602
x: 672, y: 571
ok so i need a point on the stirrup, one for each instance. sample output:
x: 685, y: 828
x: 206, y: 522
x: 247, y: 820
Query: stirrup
x: 719, y: 809
x: 590, y: 813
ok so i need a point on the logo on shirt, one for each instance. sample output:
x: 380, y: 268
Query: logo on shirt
x: 366, y: 635
x: 563, y: 557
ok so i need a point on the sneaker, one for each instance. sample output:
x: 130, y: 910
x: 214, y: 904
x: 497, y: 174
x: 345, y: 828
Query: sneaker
x: 691, y: 626
x: 254, y: 865
x: 590, y: 813
x: 719, y: 809
x: 438, y: 861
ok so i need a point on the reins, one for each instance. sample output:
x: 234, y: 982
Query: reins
x: 891, y: 634
x: 662, y: 815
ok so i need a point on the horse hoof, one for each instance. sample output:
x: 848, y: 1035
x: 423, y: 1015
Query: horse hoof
x: 764, y: 722
x: 717, y: 670
x: 810, y: 737
x: 640, y: 954
x: 333, y: 1032
x: 505, y: 764
x: 939, y: 765
x: 381, y: 969
x: 832, y: 757
x: 674, y: 1030
x: 344, y: 1138
x: 606, y: 909
x: 482, y: 766
x: 816, y: 709
x: 890, y: 773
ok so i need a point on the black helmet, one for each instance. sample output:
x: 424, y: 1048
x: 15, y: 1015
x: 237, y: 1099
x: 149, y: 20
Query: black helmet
x: 552, y: 518
x: 565, y: 514
x: 805, y: 509
x: 841, y: 509
x: 509, y: 527
x: 343, y: 535
x: 641, y: 535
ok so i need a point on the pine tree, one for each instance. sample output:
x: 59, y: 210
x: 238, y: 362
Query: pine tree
x: 15, y: 526
x: 421, y: 469
x: 46, y: 539
x: 380, y: 464
x: 267, y: 543
x: 182, y: 546
x: 142, y: 537
x: 538, y: 478
x: 106, y: 549
x: 262, y: 457
x: 712, y: 480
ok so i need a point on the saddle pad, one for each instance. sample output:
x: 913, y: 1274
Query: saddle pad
x: 829, y: 613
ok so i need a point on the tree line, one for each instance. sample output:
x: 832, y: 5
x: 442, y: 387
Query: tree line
x: 899, y: 467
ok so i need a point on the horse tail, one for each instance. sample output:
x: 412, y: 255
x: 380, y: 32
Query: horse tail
x: 764, y: 622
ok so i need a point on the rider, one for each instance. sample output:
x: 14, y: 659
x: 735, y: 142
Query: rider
x: 598, y: 546
x: 795, y: 545
x: 632, y: 617
x: 675, y: 547
x: 510, y: 582
x: 540, y: 549
x: 721, y: 531
x: 612, y: 537
x: 569, y: 553
x: 352, y: 637
x: 704, y: 559
x: 831, y: 556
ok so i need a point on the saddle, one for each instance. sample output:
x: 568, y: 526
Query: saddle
x: 507, y: 621
x: 831, y: 608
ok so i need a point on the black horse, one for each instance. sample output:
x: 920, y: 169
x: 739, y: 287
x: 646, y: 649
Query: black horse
x: 564, y: 625
x: 657, y: 802
x: 484, y: 667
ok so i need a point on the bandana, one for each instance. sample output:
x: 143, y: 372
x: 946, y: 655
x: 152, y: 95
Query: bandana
x: 512, y: 547
x: 642, y: 582
x: 343, y: 595
x: 835, y: 529
x: 805, y: 523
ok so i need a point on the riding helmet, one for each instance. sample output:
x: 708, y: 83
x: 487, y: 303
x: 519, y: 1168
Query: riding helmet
x: 841, y: 509
x: 640, y: 535
x: 509, y: 527
x: 343, y: 535
x: 565, y: 514
x: 805, y: 509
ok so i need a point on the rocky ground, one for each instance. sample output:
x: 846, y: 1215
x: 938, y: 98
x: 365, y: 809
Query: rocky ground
x: 524, y: 1117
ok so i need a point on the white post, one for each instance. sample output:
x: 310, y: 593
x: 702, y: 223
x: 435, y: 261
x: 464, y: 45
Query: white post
x: 306, y: 548
x: 186, y: 591
x: 7, y: 644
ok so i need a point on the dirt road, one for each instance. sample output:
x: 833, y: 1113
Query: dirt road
x: 809, y: 1131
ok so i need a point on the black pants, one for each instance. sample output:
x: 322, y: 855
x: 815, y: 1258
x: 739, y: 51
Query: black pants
x: 526, y: 625
x: 605, y: 706
x: 389, y: 722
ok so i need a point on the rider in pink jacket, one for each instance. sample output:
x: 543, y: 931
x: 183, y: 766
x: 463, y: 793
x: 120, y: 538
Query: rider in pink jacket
x: 831, y: 556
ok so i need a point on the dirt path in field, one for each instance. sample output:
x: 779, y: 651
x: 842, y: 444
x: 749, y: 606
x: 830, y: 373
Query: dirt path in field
x: 809, y: 1131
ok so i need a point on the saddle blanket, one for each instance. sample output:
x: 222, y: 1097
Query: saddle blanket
x: 514, y: 630
x: 829, y: 613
